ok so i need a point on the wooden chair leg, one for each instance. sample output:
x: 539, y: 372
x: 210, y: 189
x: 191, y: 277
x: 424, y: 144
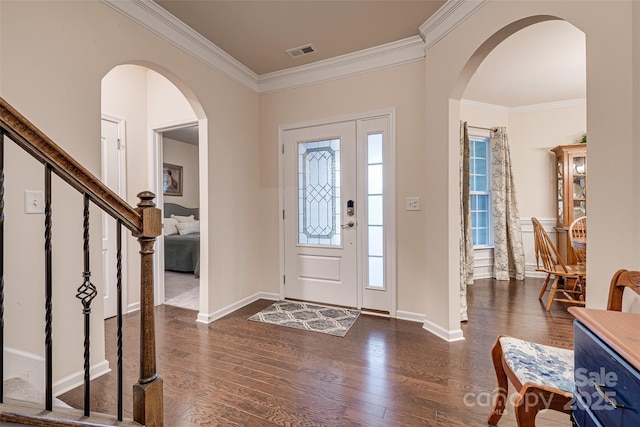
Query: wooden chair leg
x: 503, y: 384
x: 527, y: 405
x: 583, y: 289
x: 552, y: 292
x: 544, y: 287
x: 533, y: 399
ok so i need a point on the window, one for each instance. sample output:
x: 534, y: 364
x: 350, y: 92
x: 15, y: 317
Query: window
x: 375, y: 250
x: 480, y: 191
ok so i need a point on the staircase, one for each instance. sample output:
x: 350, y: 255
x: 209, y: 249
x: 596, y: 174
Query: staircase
x: 144, y: 223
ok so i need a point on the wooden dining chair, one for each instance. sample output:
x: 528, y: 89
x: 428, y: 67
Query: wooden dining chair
x: 578, y: 238
x: 548, y: 260
x: 543, y: 375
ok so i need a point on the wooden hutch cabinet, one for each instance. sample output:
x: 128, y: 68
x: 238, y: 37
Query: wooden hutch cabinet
x: 571, y: 193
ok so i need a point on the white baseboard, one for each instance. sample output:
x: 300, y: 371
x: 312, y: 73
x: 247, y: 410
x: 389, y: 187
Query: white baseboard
x: 30, y: 367
x: 447, y: 335
x: 25, y: 365
x: 208, y: 318
x: 133, y: 307
x: 408, y: 315
x: 77, y: 378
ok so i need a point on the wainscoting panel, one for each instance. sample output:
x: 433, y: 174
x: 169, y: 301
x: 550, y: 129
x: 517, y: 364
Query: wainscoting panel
x: 483, y: 258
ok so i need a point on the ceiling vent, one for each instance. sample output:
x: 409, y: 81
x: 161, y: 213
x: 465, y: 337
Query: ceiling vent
x: 301, y: 50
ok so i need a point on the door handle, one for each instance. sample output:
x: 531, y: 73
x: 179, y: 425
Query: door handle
x: 350, y: 224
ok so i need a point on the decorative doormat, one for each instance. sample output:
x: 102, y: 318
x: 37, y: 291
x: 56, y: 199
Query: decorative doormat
x: 311, y: 317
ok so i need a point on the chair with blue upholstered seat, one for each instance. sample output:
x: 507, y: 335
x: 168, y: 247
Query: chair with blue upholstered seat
x: 543, y: 375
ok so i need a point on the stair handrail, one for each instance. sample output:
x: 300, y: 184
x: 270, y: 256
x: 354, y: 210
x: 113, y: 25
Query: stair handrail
x: 41, y: 147
x: 144, y: 222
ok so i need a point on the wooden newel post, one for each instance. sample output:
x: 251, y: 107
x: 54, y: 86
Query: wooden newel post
x: 147, y: 393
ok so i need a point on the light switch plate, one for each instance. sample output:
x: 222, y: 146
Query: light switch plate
x: 412, y: 203
x: 33, y: 202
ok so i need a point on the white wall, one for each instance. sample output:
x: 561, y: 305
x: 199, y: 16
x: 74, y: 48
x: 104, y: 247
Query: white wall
x: 185, y: 155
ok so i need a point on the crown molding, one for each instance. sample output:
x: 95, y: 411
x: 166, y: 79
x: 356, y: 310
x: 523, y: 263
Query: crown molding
x: 485, y: 106
x: 376, y: 58
x: 448, y: 17
x: 151, y: 16
x: 549, y: 105
x: 160, y: 22
x: 525, y: 108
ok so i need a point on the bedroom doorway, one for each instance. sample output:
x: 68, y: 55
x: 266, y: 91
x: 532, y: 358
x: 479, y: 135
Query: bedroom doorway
x: 181, y: 212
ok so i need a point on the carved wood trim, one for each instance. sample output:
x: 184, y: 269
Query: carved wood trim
x: 41, y: 147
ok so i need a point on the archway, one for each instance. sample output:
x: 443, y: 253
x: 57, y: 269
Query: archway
x: 533, y: 83
x: 449, y: 65
x: 150, y: 100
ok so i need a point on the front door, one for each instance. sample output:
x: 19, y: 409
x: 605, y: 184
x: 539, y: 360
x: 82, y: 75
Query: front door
x: 320, y: 224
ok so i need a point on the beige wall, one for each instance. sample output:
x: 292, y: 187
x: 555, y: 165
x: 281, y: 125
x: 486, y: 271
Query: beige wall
x: 79, y: 42
x: 532, y: 134
x: 54, y: 56
x: 607, y: 26
x: 399, y: 87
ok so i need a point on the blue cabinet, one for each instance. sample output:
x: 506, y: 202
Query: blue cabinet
x: 607, y: 390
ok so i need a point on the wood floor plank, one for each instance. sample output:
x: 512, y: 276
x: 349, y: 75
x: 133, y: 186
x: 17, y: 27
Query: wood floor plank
x: 384, y: 372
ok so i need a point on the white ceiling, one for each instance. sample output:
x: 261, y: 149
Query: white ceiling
x: 539, y: 64
x: 543, y: 63
x: 187, y: 134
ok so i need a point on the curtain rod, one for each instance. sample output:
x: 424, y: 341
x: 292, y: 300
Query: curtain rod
x: 478, y: 127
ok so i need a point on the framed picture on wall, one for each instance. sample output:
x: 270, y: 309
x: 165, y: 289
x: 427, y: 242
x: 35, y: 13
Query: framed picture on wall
x: 171, y: 180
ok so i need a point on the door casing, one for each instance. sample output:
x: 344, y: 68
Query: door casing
x: 108, y: 223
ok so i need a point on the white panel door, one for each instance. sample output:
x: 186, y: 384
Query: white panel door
x: 320, y: 237
x: 113, y: 177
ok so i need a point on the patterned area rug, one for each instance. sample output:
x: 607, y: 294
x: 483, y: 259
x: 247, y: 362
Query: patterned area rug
x: 311, y: 317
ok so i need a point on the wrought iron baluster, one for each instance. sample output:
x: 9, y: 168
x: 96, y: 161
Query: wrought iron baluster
x: 86, y: 293
x: 1, y: 266
x: 48, y: 344
x: 119, y: 312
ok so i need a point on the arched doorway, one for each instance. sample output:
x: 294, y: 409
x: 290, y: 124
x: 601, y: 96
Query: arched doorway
x: 534, y: 84
x: 146, y: 102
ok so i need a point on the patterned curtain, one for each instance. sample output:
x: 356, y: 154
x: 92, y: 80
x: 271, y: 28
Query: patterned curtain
x: 507, y: 236
x: 466, y: 240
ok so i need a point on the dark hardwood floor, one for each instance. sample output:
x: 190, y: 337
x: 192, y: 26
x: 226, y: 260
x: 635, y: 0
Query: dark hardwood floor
x: 385, y: 372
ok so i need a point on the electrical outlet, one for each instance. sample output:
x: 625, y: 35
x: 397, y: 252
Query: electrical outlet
x: 33, y: 202
x: 412, y: 204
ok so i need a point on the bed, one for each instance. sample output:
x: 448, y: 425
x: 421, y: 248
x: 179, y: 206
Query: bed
x: 181, y: 250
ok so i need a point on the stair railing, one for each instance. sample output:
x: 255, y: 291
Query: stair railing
x: 144, y: 222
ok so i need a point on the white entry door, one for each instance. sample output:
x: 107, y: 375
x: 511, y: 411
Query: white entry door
x: 113, y: 177
x: 320, y: 234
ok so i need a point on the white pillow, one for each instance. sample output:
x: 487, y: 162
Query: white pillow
x: 179, y: 218
x: 188, y: 227
x: 169, y: 225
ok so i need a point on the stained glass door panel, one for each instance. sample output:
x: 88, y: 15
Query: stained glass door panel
x: 319, y: 193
